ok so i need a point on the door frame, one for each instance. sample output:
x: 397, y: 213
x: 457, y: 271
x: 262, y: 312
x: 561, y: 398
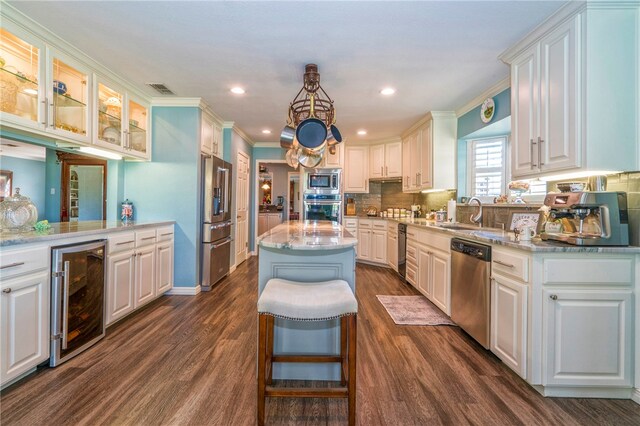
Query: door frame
x: 256, y: 202
x: 235, y: 247
x: 299, y: 174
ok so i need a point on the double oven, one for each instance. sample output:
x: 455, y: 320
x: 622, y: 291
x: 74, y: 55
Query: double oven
x: 322, y: 195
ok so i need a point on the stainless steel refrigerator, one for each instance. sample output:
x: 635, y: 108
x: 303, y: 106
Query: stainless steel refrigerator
x: 216, y: 217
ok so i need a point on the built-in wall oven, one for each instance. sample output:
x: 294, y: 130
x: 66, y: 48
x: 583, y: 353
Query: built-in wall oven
x: 322, y: 207
x: 77, y: 298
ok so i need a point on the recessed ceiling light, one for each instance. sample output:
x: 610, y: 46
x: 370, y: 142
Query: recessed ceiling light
x: 266, y: 131
x: 388, y: 91
x: 362, y: 132
x: 237, y: 90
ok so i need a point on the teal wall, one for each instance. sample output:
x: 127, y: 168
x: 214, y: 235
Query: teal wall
x: 167, y: 188
x: 470, y: 126
x: 52, y: 181
x: 115, y: 188
x: 29, y: 176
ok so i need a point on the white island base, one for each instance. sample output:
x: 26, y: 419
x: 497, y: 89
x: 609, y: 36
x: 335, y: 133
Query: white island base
x: 306, y: 252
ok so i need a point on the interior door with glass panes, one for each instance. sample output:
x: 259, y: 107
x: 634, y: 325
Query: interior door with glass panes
x: 22, y: 100
x: 137, y: 138
x: 68, y: 97
x: 110, y: 114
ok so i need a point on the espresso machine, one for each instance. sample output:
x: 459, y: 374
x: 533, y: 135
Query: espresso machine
x: 589, y: 218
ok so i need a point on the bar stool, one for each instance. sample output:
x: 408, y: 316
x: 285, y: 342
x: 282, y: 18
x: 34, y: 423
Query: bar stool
x: 319, y: 301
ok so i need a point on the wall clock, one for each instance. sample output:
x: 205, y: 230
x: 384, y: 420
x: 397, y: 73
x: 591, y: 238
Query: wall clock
x: 487, y: 110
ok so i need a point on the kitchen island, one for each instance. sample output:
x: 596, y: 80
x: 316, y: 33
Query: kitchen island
x: 307, y: 252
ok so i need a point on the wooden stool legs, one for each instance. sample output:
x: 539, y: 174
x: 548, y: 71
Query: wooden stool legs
x: 347, y: 360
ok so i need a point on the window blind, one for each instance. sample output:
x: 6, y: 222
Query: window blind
x: 488, y: 166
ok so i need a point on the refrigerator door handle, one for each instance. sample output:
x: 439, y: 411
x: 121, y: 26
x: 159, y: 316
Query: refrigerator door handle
x: 225, y: 195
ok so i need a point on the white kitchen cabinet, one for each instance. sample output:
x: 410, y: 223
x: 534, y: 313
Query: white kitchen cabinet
x: 206, y: 135
x: 385, y: 160
x: 335, y: 160
x: 218, y: 144
x: 356, y: 169
x: 429, y: 153
x: 509, y: 322
x: 425, y: 284
x: 122, y: 120
x: 273, y: 220
x: 588, y: 337
x: 392, y: 245
x: 379, y: 246
x: 139, y: 269
x: 121, y: 290
x: 145, y: 281
x: 364, y: 244
x: 570, y: 82
x: 24, y: 334
x: 164, y: 265
x: 441, y: 280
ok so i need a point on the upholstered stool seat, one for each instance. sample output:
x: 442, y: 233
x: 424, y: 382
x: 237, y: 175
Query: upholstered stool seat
x: 307, y: 301
x: 316, y: 301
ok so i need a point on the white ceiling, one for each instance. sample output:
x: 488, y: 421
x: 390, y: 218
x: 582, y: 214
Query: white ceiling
x: 437, y: 54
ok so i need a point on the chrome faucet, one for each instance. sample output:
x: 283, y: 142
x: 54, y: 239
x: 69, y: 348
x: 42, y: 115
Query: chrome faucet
x: 477, y: 217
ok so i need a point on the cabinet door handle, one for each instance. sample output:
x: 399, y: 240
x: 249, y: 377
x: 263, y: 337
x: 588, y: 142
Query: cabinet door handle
x: 508, y: 265
x: 166, y: 233
x: 148, y: 238
x: 53, y: 116
x: 381, y: 171
x: 533, y: 163
x: 553, y: 297
x: 386, y: 170
x: 12, y: 265
x: 124, y: 242
x: 6, y: 290
x: 540, y: 141
x: 45, y: 115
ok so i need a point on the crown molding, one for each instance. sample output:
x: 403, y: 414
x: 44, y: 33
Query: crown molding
x: 390, y: 139
x: 231, y: 125
x: 500, y: 86
x: 560, y: 16
x: 228, y: 124
x: 267, y: 145
x: 428, y: 116
x: 175, y: 101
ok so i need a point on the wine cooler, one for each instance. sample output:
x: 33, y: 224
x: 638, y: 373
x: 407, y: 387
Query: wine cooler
x: 77, y: 298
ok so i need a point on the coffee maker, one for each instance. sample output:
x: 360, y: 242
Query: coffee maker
x: 416, y: 210
x: 589, y: 218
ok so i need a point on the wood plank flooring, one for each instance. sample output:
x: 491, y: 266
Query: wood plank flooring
x: 187, y: 360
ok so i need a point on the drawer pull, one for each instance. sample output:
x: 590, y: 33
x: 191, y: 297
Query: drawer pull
x: 11, y: 265
x: 553, y: 297
x: 148, y: 238
x: 508, y: 265
x: 166, y: 233
x: 124, y: 242
x: 6, y: 290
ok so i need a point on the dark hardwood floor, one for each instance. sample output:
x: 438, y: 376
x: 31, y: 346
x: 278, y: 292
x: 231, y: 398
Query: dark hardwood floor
x: 192, y: 360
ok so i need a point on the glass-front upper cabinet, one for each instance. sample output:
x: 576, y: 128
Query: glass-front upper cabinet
x: 137, y: 135
x: 109, y: 129
x: 21, y: 98
x: 68, y: 112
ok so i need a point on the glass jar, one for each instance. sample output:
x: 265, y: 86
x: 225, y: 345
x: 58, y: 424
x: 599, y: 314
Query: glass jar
x: 18, y: 213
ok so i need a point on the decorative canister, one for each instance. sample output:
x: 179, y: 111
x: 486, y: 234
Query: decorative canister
x: 126, y: 214
x: 18, y: 213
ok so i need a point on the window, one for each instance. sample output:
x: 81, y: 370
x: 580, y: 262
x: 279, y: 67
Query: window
x: 487, y: 166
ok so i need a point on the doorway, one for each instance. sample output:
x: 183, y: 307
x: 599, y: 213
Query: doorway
x: 295, y: 199
x: 83, y: 188
x: 242, y: 207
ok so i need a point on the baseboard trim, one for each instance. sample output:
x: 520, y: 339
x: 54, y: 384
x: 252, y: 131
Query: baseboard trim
x: 635, y: 396
x: 231, y: 269
x: 253, y: 253
x: 585, y: 392
x: 368, y: 262
x: 184, y: 291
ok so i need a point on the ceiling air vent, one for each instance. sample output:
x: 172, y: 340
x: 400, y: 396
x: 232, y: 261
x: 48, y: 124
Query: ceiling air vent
x: 161, y: 88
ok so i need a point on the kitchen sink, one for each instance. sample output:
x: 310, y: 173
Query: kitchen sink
x: 459, y: 226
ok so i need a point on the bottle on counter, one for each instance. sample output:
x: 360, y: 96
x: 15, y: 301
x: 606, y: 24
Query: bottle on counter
x: 126, y: 213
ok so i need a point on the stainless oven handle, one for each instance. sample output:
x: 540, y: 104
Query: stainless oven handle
x: 65, y: 304
x: 227, y: 241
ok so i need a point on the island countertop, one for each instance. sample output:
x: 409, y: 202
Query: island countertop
x: 308, y: 235
x: 74, y: 229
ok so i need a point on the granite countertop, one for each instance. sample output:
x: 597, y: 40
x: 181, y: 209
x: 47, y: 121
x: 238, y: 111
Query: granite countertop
x: 74, y: 229
x: 308, y: 235
x: 507, y: 239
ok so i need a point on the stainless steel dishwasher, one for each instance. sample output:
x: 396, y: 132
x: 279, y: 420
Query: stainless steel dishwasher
x: 471, y: 288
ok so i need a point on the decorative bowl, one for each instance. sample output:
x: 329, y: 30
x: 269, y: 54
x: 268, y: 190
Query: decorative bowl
x: 59, y: 87
x: 571, y: 186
